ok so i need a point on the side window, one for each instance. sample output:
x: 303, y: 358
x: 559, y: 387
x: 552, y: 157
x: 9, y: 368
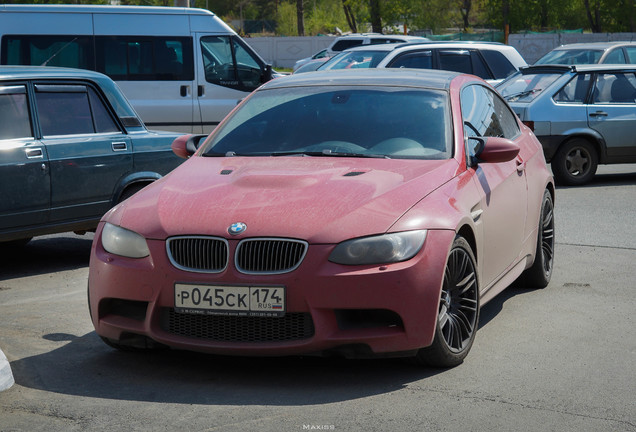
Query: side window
x: 14, y: 113
x: 479, y: 67
x: 71, y: 110
x: 575, y: 91
x: 499, y: 64
x: 631, y: 53
x: 343, y: 44
x: 485, y: 114
x: 455, y: 60
x: 103, y: 120
x: 230, y: 64
x: 143, y: 58
x: 615, y: 56
x: 48, y: 50
x: 615, y: 88
x: 417, y: 60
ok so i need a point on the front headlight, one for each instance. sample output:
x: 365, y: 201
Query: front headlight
x: 120, y: 241
x: 382, y: 249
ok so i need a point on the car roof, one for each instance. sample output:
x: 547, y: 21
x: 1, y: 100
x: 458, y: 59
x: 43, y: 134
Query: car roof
x: 39, y: 72
x: 593, y: 45
x: 432, y: 44
x: 429, y: 78
x: 103, y: 9
x: 549, y: 68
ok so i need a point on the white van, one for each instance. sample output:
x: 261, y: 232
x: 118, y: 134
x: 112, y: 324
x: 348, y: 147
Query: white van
x: 182, y: 69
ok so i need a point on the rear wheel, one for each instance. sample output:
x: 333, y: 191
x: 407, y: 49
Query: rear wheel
x: 538, y: 276
x: 131, y: 190
x: 575, y: 162
x: 458, y: 313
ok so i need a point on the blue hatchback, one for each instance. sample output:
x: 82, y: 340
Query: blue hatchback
x: 71, y: 147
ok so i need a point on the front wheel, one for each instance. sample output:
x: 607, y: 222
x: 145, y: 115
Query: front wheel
x: 458, y: 314
x: 575, y: 162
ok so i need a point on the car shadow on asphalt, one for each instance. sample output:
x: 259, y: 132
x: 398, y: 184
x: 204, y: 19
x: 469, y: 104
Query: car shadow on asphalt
x: 490, y: 310
x: 85, y: 366
x: 45, y: 255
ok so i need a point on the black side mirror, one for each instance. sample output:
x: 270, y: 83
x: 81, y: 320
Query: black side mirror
x: 267, y: 73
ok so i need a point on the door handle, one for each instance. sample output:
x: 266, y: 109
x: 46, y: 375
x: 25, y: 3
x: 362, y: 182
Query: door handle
x: 200, y: 91
x: 34, y: 153
x: 184, y: 90
x: 598, y: 114
x: 119, y: 146
x: 521, y: 165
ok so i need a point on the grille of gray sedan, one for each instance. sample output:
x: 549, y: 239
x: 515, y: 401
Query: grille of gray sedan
x: 292, y: 326
x: 203, y: 254
x: 269, y: 255
x: 253, y: 256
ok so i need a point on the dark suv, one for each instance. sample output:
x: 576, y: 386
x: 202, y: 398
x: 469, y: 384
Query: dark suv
x: 71, y: 147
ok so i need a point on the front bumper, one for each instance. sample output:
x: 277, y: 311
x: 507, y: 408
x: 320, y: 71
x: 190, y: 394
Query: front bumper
x: 330, y: 307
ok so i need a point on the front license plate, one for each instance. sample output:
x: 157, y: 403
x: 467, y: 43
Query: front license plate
x: 230, y: 300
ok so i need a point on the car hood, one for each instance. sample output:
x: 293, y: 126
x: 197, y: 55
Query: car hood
x: 319, y: 199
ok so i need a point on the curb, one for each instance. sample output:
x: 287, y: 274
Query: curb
x: 6, y: 377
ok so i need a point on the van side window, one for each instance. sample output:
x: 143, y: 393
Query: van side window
x: 229, y: 64
x: 48, y: 50
x: 144, y: 58
x: 14, y: 113
x: 70, y: 110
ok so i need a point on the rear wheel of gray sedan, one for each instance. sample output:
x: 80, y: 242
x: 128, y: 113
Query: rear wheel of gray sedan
x: 575, y: 162
x: 458, y: 310
x: 538, y: 276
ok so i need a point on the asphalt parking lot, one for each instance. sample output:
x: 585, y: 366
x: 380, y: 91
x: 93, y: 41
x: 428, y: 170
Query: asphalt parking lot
x: 558, y: 359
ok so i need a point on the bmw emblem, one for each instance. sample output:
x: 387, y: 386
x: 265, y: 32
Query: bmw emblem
x: 237, y: 228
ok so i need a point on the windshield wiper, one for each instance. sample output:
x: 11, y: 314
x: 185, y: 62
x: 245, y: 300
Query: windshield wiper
x: 328, y: 153
x: 521, y: 94
x: 213, y: 154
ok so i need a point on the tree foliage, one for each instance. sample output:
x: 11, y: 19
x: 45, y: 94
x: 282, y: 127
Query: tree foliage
x: 326, y: 16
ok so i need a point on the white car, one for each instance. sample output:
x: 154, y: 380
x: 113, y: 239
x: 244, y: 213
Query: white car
x: 488, y: 60
x: 356, y: 39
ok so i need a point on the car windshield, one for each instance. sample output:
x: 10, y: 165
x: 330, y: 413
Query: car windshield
x: 332, y: 121
x: 355, y: 60
x: 526, y: 87
x: 571, y: 57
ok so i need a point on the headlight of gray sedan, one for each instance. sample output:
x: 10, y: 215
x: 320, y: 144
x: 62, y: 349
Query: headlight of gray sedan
x: 120, y: 241
x: 382, y: 249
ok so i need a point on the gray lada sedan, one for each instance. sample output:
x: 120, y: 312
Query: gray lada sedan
x: 71, y: 147
x: 584, y: 115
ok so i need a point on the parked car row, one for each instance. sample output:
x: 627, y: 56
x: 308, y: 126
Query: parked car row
x: 490, y: 61
x: 342, y: 43
x: 354, y: 212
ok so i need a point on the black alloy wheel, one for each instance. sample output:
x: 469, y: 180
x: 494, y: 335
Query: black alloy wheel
x: 538, y: 276
x: 458, y: 314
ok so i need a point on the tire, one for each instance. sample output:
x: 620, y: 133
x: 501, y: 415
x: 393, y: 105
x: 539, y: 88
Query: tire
x: 458, y: 314
x: 575, y: 162
x: 538, y: 276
